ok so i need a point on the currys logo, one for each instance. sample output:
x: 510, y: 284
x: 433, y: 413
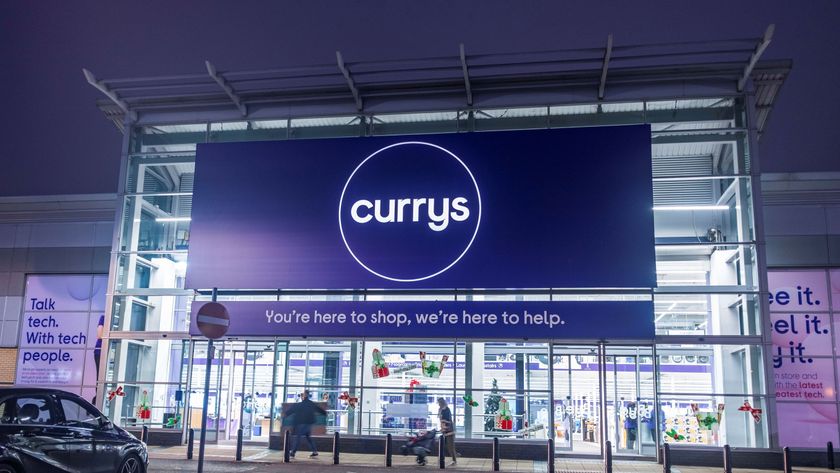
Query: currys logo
x: 409, y: 211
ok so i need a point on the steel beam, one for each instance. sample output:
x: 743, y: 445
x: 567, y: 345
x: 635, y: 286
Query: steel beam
x: 214, y: 74
x: 110, y: 94
x: 346, y: 72
x: 605, y: 67
x: 756, y: 55
x: 466, y: 75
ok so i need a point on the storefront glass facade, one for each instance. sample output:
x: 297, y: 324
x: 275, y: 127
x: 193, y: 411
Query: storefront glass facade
x: 686, y: 388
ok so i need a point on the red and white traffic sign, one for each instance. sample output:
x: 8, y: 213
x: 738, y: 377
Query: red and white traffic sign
x: 213, y: 320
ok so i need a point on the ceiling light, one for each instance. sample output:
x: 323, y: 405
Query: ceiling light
x: 690, y: 207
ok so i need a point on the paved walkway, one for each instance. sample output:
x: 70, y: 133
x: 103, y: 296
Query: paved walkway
x: 256, y: 459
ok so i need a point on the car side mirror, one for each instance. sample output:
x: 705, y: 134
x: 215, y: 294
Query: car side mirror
x: 107, y: 425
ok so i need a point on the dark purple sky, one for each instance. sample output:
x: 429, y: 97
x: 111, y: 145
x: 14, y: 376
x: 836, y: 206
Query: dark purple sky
x: 54, y: 139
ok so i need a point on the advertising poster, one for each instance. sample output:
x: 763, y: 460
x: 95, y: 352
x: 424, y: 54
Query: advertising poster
x: 835, y: 288
x: 803, y: 366
x: 60, y: 332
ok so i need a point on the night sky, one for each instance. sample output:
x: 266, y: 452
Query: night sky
x: 55, y: 140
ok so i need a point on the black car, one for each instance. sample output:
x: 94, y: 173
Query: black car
x: 47, y: 430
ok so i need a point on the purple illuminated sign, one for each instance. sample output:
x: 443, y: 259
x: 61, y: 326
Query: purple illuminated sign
x: 558, y: 320
x: 526, y: 209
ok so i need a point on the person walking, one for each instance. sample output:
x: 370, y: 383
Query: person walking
x: 447, y: 429
x: 303, y: 418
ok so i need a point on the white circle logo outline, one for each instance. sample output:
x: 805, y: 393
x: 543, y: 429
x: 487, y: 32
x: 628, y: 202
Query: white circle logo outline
x: 346, y: 184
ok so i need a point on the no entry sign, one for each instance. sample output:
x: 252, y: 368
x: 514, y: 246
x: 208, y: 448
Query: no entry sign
x: 213, y: 320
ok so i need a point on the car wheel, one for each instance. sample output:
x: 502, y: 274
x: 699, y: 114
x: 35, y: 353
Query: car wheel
x: 130, y: 464
x: 6, y: 468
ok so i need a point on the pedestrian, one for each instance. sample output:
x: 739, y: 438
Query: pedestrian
x: 631, y: 425
x: 303, y: 418
x: 447, y: 429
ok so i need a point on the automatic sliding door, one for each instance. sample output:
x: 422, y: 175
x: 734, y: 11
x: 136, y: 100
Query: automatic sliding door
x: 631, y: 416
x: 256, y: 393
x: 577, y: 400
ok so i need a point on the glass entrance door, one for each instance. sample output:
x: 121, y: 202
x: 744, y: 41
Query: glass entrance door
x: 604, y: 393
x: 240, y: 394
x: 250, y: 391
x: 577, y: 400
x: 253, y: 391
x: 630, y: 389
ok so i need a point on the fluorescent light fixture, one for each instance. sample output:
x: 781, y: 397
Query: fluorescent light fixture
x: 682, y: 281
x: 690, y: 207
x: 172, y: 219
x: 663, y: 314
x: 682, y: 271
x: 684, y: 312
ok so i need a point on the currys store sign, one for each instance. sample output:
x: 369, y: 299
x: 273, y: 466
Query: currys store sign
x: 528, y: 209
x: 437, y: 212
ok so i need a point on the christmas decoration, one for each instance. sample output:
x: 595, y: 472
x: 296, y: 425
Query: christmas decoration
x: 413, y: 384
x: 173, y: 421
x: 117, y: 392
x: 673, y: 434
x: 708, y: 420
x: 432, y: 369
x: 379, y: 368
x: 468, y: 399
x: 756, y: 413
x: 491, y: 405
x: 504, y: 420
x: 350, y: 400
x: 144, y: 412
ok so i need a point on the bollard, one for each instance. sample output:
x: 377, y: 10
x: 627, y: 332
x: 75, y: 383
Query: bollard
x: 144, y: 434
x: 190, y: 441
x: 239, y: 435
x: 608, y: 457
x: 442, y: 452
x: 336, y: 447
x: 496, y: 461
x: 830, y: 450
x: 727, y: 459
x: 666, y: 458
x: 287, y: 445
x: 549, y: 460
x: 788, y: 467
x: 388, y: 450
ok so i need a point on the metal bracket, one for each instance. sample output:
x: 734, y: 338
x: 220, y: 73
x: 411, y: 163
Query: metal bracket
x: 211, y: 69
x: 341, y: 67
x: 466, y: 76
x: 605, y: 67
x: 99, y: 85
x: 756, y: 55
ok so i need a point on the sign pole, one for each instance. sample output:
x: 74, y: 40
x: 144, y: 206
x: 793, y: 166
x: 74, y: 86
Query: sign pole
x: 203, y: 436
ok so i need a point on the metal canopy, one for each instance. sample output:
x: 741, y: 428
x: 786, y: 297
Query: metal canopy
x: 685, y: 70
x: 211, y: 70
x: 607, y: 54
x: 466, y: 75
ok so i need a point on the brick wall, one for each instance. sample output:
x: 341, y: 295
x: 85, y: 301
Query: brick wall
x: 8, y: 361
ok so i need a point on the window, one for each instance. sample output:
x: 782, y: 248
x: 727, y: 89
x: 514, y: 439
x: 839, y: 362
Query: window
x: 6, y: 412
x: 78, y: 415
x: 33, y: 410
